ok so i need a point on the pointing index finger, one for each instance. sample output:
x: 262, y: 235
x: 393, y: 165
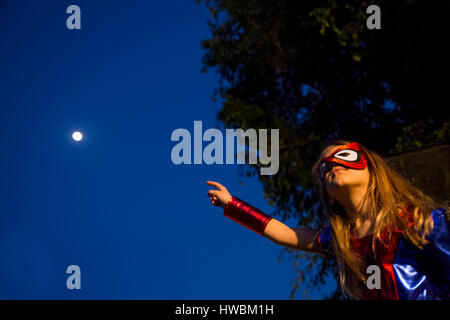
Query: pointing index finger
x: 216, y: 184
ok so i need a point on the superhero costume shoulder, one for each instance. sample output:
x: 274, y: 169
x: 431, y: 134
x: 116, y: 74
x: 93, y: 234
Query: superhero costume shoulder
x: 424, y: 274
x: 416, y: 274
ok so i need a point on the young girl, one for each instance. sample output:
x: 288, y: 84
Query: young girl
x: 376, y: 219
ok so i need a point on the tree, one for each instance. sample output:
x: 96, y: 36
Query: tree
x: 315, y: 71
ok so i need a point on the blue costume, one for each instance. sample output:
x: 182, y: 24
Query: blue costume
x: 408, y: 272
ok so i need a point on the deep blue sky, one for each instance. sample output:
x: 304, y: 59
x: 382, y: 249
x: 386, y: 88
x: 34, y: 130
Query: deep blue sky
x: 138, y: 226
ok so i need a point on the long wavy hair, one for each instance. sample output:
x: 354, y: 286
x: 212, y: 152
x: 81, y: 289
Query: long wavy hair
x: 388, y: 197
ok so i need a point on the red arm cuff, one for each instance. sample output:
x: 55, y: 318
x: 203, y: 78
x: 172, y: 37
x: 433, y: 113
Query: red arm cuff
x: 247, y: 215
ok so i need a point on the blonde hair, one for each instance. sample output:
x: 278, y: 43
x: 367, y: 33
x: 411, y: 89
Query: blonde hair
x: 388, y: 195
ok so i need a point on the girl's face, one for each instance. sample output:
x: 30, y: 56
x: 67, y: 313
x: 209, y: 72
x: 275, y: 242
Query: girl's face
x: 339, y: 179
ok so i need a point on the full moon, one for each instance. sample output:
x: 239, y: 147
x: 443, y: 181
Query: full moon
x: 77, y: 136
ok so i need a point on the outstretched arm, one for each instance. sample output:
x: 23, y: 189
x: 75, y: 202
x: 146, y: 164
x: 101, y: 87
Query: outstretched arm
x: 300, y: 238
x: 245, y: 214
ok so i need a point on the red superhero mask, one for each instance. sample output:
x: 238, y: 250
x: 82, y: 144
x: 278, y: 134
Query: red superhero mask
x: 349, y: 155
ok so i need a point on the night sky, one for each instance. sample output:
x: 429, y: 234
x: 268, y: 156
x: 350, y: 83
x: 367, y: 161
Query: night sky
x: 138, y: 226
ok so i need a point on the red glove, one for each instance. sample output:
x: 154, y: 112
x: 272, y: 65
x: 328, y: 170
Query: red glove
x: 246, y: 215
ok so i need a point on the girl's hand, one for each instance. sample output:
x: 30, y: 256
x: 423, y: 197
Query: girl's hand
x: 219, y: 197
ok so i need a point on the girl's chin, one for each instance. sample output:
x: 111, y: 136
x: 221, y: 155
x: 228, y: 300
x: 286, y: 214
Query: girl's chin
x: 338, y: 183
x: 336, y: 187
